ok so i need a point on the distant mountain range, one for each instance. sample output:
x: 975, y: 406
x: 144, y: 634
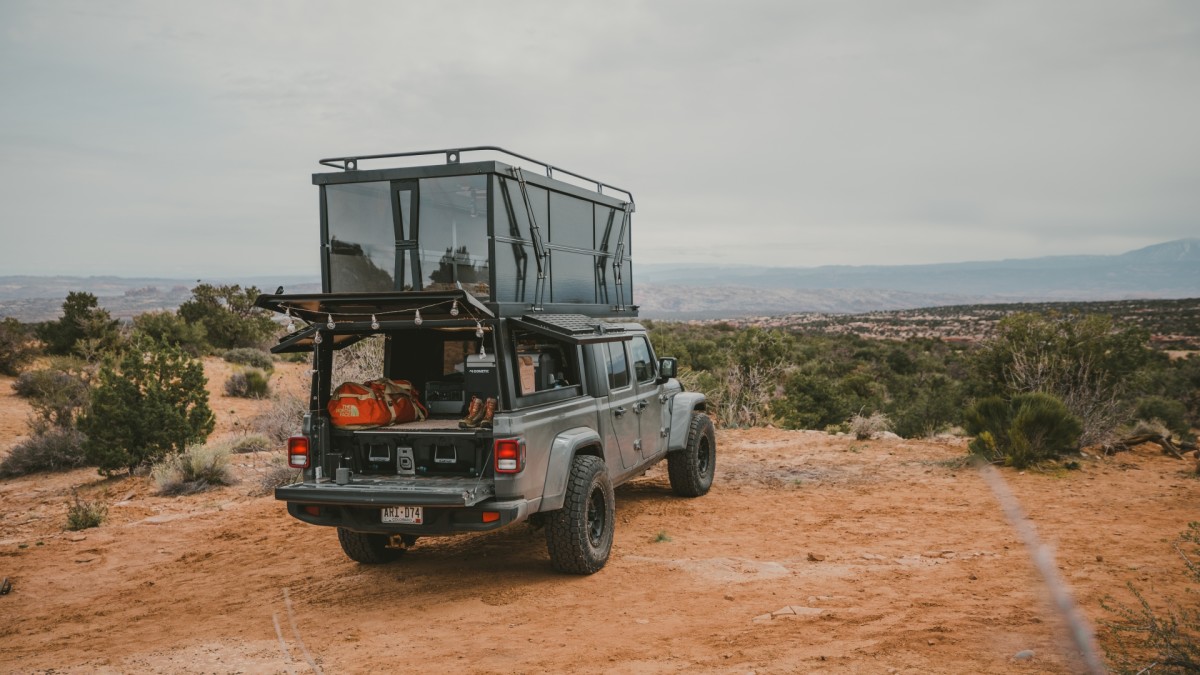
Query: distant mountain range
x: 32, y: 298
x: 1168, y: 270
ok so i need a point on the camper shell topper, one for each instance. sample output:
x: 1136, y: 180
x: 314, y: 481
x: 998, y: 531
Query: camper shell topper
x: 513, y: 238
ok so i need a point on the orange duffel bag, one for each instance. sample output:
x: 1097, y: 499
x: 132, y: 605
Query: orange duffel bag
x: 376, y: 403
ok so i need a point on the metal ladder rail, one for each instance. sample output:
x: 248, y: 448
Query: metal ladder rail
x: 540, y: 254
x: 514, y: 231
x: 619, y: 258
x: 602, y: 259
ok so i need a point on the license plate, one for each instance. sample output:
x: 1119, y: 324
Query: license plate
x: 404, y: 515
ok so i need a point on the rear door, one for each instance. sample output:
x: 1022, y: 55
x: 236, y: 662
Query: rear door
x: 647, y: 406
x: 622, y: 403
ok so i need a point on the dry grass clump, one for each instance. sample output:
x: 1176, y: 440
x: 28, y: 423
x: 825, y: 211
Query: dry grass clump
x: 276, y: 475
x: 196, y: 469
x: 250, y: 443
x: 1152, y: 427
x: 870, y: 426
x: 281, y: 419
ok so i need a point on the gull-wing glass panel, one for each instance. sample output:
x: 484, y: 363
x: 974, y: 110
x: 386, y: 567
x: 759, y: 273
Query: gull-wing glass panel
x: 452, y: 234
x: 362, y: 244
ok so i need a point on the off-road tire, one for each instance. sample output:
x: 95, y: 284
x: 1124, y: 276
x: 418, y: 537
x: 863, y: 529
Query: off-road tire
x: 367, y: 548
x: 579, y: 536
x: 691, y: 469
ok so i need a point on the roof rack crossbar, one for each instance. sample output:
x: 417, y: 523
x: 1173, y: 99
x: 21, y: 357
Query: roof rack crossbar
x: 454, y: 155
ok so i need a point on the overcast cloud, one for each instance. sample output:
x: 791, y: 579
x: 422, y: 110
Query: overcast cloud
x: 150, y: 138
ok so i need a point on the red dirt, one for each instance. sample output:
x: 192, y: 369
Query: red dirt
x: 894, y: 560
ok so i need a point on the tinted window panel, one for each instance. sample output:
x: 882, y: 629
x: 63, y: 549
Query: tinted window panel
x: 452, y: 233
x: 516, y: 272
x: 570, y: 221
x: 518, y: 226
x: 505, y: 227
x: 572, y: 277
x: 626, y: 294
x: 608, y: 225
x: 537, y: 200
x: 618, y: 369
x: 362, y: 240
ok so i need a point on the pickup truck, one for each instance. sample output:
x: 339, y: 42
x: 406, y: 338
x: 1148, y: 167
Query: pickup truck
x: 576, y: 400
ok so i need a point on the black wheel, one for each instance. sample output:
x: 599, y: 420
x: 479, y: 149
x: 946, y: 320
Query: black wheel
x: 366, y: 548
x: 691, y: 469
x: 580, y: 534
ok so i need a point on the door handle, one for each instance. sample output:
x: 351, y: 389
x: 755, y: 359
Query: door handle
x: 641, y: 405
x: 619, y: 412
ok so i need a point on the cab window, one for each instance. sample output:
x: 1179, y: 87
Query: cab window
x: 643, y: 359
x: 618, y: 367
x: 544, y: 364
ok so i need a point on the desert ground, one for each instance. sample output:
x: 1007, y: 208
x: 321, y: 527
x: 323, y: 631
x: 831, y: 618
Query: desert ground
x: 812, y: 553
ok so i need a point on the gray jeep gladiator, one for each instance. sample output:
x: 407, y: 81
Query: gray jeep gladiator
x: 484, y: 283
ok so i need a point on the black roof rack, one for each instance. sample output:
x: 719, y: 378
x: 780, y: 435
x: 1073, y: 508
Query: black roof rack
x: 578, y: 327
x: 454, y: 156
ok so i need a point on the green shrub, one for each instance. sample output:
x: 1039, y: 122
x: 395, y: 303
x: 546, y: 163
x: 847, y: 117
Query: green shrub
x: 1085, y: 361
x: 197, y: 469
x: 57, y: 397
x: 1172, y: 413
x: 1028, y: 429
x: 149, y: 403
x: 249, y: 383
x: 228, y: 315
x: 83, y: 514
x: 16, y: 347
x: 170, y: 328
x: 247, y: 356
x: 40, y: 382
x: 84, y: 328
x: 923, y: 404
x: 54, y: 449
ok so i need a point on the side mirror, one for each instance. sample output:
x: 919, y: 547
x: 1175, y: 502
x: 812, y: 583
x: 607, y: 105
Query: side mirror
x: 667, y: 368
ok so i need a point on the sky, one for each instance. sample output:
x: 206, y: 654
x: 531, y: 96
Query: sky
x: 179, y: 139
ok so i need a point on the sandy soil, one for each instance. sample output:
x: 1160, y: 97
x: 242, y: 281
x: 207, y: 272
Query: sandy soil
x: 812, y: 553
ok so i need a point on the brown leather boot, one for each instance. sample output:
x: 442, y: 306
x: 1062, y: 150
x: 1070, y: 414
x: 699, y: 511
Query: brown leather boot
x: 474, y: 414
x: 489, y: 411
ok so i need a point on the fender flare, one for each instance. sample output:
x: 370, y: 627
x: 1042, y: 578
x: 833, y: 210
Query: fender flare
x: 562, y: 451
x: 683, y: 405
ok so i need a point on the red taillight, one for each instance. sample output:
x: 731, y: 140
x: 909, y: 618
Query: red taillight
x: 298, y: 452
x: 491, y: 516
x: 510, y: 455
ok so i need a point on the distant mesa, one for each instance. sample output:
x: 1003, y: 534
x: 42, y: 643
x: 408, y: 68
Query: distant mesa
x: 1162, y: 271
